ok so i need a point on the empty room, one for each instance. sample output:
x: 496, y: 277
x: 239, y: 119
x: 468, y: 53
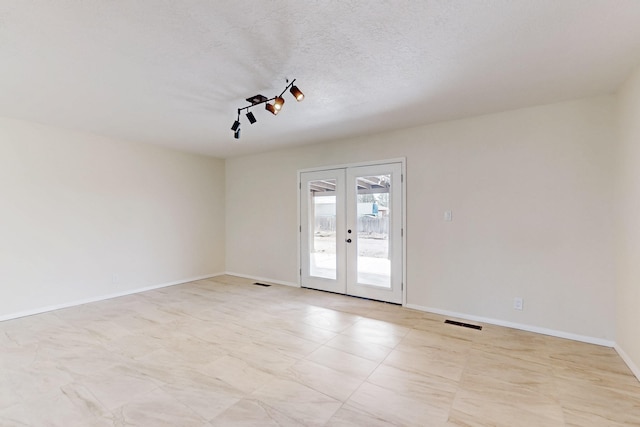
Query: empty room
x: 331, y: 213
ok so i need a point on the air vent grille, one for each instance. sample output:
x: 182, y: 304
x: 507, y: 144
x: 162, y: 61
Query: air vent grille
x: 261, y: 284
x: 464, y: 325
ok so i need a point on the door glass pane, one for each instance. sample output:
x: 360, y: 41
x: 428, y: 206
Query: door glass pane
x: 373, y: 197
x: 322, y: 214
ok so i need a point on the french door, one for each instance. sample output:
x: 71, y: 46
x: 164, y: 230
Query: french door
x: 351, y: 231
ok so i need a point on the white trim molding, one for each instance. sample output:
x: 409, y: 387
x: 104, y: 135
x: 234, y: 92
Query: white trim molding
x: 520, y: 326
x: 263, y: 279
x: 102, y: 297
x: 625, y: 357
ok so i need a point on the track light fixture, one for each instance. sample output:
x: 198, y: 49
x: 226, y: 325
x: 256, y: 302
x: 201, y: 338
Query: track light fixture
x: 297, y: 93
x: 271, y: 108
x: 278, y: 103
x: 275, y: 108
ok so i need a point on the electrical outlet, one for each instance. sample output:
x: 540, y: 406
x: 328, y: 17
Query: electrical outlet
x: 518, y: 303
x: 447, y: 216
x: 115, y: 278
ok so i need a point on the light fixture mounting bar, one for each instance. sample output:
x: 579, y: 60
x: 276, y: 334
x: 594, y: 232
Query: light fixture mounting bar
x: 288, y: 86
x: 257, y: 103
x: 257, y: 99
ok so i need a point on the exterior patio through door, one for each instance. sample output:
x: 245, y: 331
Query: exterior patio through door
x: 351, y: 231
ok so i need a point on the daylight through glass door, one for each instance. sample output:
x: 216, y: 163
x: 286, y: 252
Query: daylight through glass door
x: 322, y: 212
x: 373, y: 213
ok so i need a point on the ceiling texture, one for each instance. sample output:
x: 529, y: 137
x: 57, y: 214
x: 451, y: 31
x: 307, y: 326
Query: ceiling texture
x: 174, y: 72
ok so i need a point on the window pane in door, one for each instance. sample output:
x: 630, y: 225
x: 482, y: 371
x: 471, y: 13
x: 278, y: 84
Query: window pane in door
x: 373, y: 198
x: 322, y: 213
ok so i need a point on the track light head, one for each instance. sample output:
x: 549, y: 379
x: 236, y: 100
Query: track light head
x: 236, y: 134
x: 297, y: 93
x: 235, y: 125
x: 251, y: 117
x: 271, y: 108
x: 278, y: 102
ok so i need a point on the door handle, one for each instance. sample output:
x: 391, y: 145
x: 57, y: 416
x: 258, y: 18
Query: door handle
x: 348, y: 240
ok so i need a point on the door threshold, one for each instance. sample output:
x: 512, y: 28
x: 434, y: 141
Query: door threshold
x: 352, y: 296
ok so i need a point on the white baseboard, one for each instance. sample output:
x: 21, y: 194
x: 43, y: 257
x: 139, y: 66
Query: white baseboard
x: 263, y: 279
x: 634, y: 368
x: 40, y: 310
x: 528, y: 328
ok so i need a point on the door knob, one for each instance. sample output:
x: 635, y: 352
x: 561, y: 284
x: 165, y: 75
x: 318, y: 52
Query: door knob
x: 348, y: 240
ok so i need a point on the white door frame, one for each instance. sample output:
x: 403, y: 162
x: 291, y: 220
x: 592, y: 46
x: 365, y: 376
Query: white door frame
x: 402, y: 161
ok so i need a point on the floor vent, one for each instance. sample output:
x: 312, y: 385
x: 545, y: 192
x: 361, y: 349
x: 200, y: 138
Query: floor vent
x: 465, y: 325
x: 261, y: 284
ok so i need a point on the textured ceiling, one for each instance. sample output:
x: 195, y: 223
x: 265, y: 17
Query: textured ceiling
x: 174, y: 72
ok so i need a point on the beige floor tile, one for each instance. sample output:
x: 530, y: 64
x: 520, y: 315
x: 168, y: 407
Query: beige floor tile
x: 497, y: 417
x: 15, y: 414
x: 191, y: 350
x: 376, y: 332
x: 85, y: 401
x: 385, y: 404
x: 296, y: 327
x: 577, y: 418
x: 104, y: 331
x: 159, y: 367
x: 323, y: 379
x: 253, y: 413
x: 302, y: 403
x: 382, y: 327
x: 332, y: 320
x: 14, y: 356
x: 341, y: 361
x: 367, y: 350
x: 501, y: 369
x: 158, y: 409
x: 115, y: 386
x: 428, y: 388
x: 225, y: 352
x: 57, y: 409
x: 442, y: 337
x: 267, y: 357
x: 491, y: 393
x: 430, y: 362
x: 588, y: 356
x: 32, y: 329
x: 226, y: 336
x: 589, y: 377
x: 205, y: 395
x: 33, y: 381
x: 580, y: 400
x: 501, y: 407
x: 348, y: 416
x: 390, y: 313
x: 288, y: 344
x: 238, y: 374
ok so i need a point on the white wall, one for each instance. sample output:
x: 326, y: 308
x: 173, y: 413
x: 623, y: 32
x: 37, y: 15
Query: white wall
x: 77, y: 208
x: 531, y: 194
x: 628, y: 222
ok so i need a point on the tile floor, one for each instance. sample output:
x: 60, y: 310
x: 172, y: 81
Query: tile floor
x: 222, y: 352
